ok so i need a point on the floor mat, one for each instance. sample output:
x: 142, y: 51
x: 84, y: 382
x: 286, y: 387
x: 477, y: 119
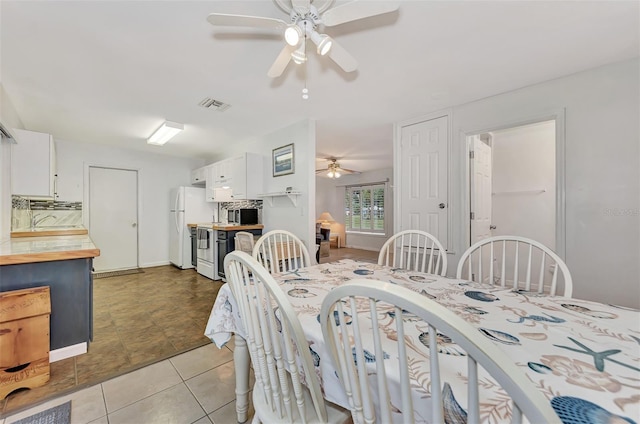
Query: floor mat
x: 116, y: 273
x: 60, y: 414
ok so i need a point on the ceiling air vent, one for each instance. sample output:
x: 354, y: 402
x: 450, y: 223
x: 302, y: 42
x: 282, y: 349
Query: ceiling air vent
x: 213, y: 104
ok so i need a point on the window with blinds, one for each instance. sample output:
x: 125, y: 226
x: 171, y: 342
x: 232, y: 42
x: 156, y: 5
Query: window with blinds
x: 364, y: 208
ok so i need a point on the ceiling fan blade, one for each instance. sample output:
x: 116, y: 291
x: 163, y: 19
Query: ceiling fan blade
x: 342, y: 57
x: 348, y: 171
x: 356, y: 10
x: 281, y: 62
x: 221, y: 19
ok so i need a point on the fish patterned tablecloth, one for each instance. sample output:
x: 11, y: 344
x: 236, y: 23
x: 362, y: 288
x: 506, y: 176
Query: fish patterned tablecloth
x: 584, y: 356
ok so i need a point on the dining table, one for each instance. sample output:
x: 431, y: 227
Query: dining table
x: 584, y: 356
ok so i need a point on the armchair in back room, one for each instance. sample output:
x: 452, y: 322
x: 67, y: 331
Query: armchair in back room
x: 322, y: 239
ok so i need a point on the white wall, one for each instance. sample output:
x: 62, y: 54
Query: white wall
x: 524, y: 160
x: 330, y: 197
x: 283, y: 215
x: 602, y: 166
x: 158, y: 174
x: 9, y: 119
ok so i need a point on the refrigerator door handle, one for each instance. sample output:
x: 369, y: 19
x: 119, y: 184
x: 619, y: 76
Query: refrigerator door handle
x: 177, y: 225
x: 176, y: 208
x: 177, y: 211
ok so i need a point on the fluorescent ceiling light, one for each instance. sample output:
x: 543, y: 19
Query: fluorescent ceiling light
x: 165, y: 133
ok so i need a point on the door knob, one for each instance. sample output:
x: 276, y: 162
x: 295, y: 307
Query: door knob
x: 492, y: 227
x: 441, y: 205
x: 134, y: 225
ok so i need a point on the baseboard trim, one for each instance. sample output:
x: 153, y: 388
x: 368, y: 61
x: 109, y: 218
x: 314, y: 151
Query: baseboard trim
x: 153, y: 264
x: 67, y: 352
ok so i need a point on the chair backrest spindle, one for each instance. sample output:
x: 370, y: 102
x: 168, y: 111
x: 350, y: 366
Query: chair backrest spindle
x: 281, y: 251
x: 535, y: 268
x: 414, y: 250
x: 287, y: 387
x: 355, y: 345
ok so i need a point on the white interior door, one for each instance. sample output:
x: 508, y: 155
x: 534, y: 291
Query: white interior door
x: 113, y: 217
x: 480, y: 189
x: 423, y: 174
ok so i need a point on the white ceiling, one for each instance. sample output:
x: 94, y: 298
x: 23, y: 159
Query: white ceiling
x: 111, y: 72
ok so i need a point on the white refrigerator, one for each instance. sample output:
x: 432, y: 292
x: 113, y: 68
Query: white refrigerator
x: 188, y: 206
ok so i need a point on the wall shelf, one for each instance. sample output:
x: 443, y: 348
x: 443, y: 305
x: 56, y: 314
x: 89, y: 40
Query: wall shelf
x: 292, y: 195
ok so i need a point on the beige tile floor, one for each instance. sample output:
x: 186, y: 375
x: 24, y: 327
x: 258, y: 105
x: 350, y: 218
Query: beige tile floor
x: 197, y: 386
x: 138, y: 319
x: 193, y: 387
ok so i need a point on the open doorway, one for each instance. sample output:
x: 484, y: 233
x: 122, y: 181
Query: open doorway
x: 513, y: 182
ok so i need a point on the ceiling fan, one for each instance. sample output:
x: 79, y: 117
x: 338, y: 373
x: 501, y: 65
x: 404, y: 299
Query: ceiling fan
x: 304, y: 22
x: 334, y: 170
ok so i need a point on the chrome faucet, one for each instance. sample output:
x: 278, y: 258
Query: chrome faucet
x: 35, y: 221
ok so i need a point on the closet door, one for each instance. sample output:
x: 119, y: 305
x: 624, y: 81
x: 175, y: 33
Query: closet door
x: 423, y: 175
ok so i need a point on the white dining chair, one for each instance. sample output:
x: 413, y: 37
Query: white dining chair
x: 281, y: 251
x: 244, y: 242
x: 286, y: 386
x: 517, y: 262
x: 356, y: 345
x: 414, y: 250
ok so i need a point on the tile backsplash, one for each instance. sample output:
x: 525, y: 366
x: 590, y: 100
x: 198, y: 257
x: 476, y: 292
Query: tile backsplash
x: 223, y: 207
x: 45, y: 213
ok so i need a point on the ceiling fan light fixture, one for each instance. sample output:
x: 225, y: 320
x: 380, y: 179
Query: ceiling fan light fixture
x: 298, y: 56
x: 336, y: 174
x: 292, y: 35
x: 330, y: 174
x: 323, y: 41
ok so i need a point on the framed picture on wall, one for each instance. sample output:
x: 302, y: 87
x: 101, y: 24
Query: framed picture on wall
x: 283, y: 160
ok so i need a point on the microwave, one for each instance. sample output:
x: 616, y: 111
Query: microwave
x: 242, y: 216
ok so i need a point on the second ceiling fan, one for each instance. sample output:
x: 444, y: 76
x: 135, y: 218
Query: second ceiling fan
x: 305, y: 20
x: 334, y: 170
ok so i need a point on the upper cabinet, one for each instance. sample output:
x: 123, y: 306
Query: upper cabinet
x: 248, y: 178
x: 199, y: 176
x: 33, y: 165
x: 213, y: 193
x: 238, y: 178
x: 223, y: 173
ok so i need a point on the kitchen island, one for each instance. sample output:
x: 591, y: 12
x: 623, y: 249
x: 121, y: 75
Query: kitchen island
x: 64, y: 264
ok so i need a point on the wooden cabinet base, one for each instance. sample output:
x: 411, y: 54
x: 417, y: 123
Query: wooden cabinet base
x: 24, y: 339
x: 35, y: 374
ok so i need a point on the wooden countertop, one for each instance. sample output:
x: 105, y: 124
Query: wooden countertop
x: 46, y: 248
x: 50, y: 232
x: 225, y: 227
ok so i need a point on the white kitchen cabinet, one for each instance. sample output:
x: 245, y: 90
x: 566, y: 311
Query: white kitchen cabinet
x: 209, y: 192
x: 237, y: 178
x: 213, y: 193
x: 247, y: 176
x: 33, y: 165
x: 199, y: 176
x: 223, y: 173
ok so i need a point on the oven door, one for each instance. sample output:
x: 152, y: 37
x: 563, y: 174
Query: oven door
x: 206, y: 250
